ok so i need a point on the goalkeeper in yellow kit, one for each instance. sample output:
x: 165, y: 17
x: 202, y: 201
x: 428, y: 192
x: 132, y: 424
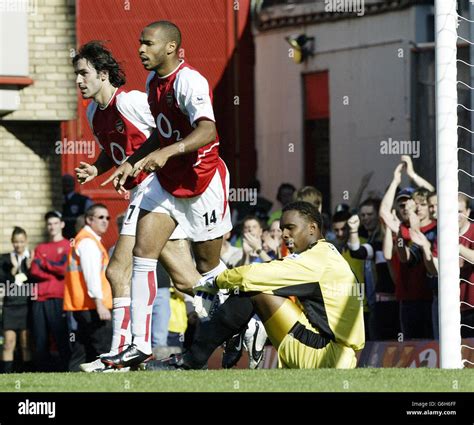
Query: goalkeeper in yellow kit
x: 323, y: 329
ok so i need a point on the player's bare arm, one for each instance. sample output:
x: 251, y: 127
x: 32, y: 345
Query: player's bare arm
x: 151, y: 145
x: 204, y: 133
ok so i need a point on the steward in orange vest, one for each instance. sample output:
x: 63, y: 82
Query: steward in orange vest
x: 76, y: 297
x: 87, y: 294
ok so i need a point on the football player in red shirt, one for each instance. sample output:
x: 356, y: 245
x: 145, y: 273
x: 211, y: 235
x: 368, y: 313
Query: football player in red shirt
x: 190, y: 183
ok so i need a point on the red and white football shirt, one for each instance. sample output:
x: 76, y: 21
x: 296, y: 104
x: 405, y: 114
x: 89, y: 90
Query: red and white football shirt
x: 177, y: 102
x: 122, y: 127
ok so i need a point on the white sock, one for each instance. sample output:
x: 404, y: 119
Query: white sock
x: 122, y: 334
x: 216, y: 271
x: 143, y: 296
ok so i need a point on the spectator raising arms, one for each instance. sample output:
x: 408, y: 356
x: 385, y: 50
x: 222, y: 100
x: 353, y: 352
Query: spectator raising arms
x: 410, y: 277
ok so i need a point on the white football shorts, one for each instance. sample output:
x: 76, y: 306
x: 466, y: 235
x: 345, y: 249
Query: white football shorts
x: 129, y: 226
x: 203, y: 217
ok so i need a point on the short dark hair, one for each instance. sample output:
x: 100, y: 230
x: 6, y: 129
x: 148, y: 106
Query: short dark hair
x: 171, y: 30
x: 91, y: 210
x: 18, y: 231
x: 53, y: 214
x: 309, y: 211
x: 285, y: 186
x: 101, y: 59
x: 341, y: 216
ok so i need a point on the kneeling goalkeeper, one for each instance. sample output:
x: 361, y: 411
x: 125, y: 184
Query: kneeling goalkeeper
x: 324, y: 328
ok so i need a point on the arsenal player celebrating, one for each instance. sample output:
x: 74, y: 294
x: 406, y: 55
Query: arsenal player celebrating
x: 190, y: 183
x: 121, y: 122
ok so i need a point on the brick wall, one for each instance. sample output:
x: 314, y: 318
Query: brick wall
x: 30, y: 177
x: 30, y: 181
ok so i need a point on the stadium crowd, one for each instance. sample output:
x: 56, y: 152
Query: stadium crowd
x: 390, y: 244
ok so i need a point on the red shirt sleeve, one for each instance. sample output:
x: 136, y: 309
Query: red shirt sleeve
x: 37, y: 267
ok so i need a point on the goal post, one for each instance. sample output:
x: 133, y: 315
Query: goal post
x: 447, y: 184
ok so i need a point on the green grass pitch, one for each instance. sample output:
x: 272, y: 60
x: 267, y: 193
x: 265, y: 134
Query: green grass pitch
x: 237, y: 380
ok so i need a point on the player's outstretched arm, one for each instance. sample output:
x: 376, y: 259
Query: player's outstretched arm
x: 120, y: 175
x: 280, y: 277
x: 150, y: 145
x: 104, y: 163
x: 204, y: 133
x: 263, y: 277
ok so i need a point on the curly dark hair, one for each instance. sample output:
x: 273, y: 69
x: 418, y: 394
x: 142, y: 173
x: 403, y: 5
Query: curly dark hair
x: 101, y: 59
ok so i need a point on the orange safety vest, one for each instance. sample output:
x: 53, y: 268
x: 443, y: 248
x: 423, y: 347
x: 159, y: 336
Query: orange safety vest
x: 76, y: 297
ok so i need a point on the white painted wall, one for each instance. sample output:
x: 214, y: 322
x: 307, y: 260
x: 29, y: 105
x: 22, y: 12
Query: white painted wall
x: 13, y: 42
x: 363, y: 60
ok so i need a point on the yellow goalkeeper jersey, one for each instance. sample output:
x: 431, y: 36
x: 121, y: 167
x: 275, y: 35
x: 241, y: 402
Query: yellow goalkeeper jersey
x: 323, y: 282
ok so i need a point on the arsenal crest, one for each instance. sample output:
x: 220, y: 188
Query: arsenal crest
x: 169, y: 98
x: 119, y: 125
